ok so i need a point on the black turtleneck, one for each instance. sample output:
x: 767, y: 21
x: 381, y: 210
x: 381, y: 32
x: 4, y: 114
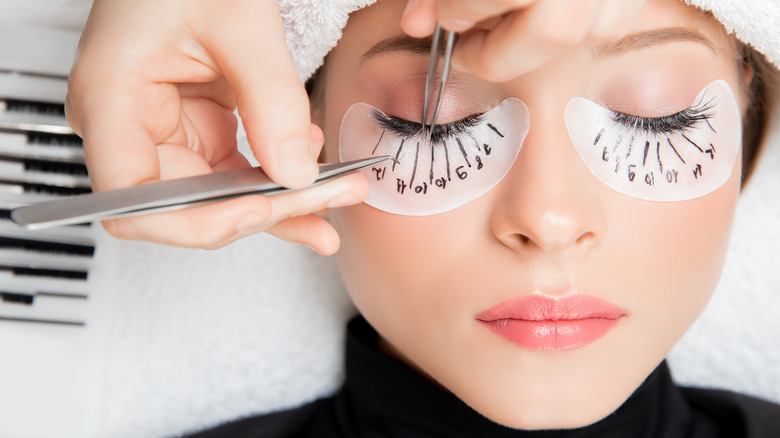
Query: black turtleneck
x: 384, y: 398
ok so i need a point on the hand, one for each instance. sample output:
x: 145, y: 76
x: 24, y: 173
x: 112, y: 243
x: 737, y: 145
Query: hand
x: 503, y: 39
x: 152, y: 94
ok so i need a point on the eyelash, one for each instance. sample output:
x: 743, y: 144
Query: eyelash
x: 679, y: 122
x: 407, y: 128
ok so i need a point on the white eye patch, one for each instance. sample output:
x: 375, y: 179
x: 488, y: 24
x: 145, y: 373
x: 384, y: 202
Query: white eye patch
x: 678, y: 157
x: 463, y: 161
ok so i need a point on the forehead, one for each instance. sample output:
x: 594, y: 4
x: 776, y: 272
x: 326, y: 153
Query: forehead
x: 376, y: 30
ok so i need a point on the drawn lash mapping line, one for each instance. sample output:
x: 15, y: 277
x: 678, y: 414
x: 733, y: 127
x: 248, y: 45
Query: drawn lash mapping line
x: 377, y: 143
x: 397, y: 154
x: 430, y: 173
x: 463, y: 151
x: 707, y: 107
x: 619, y: 140
x: 691, y: 142
x: 710, y: 125
x: 414, y: 169
x: 647, y: 148
x: 711, y: 151
x: 630, y: 145
x: 496, y: 130
x: 658, y: 154
x: 447, y: 159
x: 675, y: 149
x: 598, y: 137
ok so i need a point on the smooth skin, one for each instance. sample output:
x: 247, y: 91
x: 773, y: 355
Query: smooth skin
x: 155, y: 84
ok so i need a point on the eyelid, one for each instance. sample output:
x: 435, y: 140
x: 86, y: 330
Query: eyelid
x: 679, y: 121
x: 693, y: 107
x: 408, y: 128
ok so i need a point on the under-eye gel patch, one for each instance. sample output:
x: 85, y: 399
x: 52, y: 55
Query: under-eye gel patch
x: 677, y: 157
x: 463, y: 160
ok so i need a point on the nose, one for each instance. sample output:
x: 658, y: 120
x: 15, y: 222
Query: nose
x: 549, y: 201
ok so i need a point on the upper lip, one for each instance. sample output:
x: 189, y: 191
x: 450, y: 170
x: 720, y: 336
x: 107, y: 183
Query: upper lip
x: 537, y: 307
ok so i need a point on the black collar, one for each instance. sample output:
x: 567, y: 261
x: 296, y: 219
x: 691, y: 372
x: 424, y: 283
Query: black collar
x: 384, y: 398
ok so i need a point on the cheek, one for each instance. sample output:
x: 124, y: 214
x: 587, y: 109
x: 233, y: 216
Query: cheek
x: 375, y: 256
x: 386, y: 260
x: 404, y: 271
x: 672, y: 266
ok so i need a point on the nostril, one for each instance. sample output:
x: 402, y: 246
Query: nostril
x: 585, y: 238
x: 524, y: 239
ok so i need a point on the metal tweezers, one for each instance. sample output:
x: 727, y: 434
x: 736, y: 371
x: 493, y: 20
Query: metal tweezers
x: 167, y: 195
x: 448, y: 38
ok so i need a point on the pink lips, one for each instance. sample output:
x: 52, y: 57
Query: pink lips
x: 540, y: 322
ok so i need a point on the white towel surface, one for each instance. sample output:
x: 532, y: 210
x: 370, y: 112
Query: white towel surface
x: 203, y: 337
x: 756, y: 22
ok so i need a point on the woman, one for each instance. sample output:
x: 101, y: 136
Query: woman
x: 544, y: 301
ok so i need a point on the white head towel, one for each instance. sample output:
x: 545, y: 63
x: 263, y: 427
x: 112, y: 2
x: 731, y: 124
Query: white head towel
x: 314, y: 27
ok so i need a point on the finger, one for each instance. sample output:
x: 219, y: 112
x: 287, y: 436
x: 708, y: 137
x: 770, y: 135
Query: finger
x: 208, y: 120
x: 271, y: 98
x: 207, y: 226
x: 341, y: 192
x: 236, y: 160
x: 217, y: 224
x: 292, y: 220
x: 119, y: 150
x: 419, y: 18
x: 461, y: 15
x: 289, y: 209
x: 116, y: 104
x: 310, y: 230
x: 526, y: 39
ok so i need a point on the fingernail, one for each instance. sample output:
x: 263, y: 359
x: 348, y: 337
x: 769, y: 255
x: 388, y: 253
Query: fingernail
x: 294, y: 158
x: 456, y: 24
x: 411, y: 5
x: 343, y: 200
x: 250, y: 221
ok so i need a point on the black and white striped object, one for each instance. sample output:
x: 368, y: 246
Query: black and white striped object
x: 55, y: 285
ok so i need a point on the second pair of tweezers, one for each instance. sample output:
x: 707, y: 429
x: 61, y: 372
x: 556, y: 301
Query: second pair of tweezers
x: 447, y: 38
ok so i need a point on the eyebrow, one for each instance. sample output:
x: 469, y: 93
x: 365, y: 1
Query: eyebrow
x: 405, y: 43
x: 400, y: 43
x: 642, y: 40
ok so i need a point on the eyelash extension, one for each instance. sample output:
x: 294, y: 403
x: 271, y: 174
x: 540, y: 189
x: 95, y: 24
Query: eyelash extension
x: 679, y: 122
x: 406, y: 128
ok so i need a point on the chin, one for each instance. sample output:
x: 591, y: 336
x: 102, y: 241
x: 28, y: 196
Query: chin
x: 555, y: 418
x: 548, y: 414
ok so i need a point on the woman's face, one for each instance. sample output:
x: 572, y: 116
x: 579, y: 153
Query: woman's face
x: 633, y: 273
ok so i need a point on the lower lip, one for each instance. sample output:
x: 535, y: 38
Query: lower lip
x: 548, y: 335
x: 541, y: 322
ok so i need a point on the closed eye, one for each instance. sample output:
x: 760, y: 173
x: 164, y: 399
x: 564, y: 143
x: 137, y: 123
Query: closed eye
x: 408, y: 129
x: 679, y: 122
